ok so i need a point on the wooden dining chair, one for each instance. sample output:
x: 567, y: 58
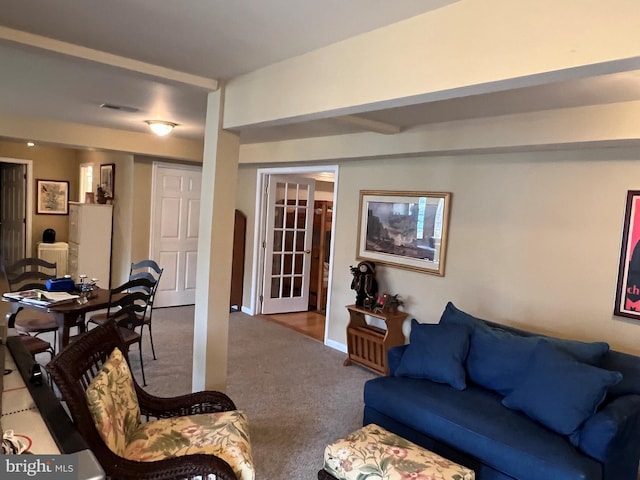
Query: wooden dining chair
x: 127, y: 305
x: 26, y: 274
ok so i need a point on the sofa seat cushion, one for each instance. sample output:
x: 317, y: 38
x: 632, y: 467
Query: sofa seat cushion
x: 224, y: 434
x: 373, y: 452
x: 475, y: 422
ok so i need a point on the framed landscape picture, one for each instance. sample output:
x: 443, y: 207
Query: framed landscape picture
x: 52, y: 197
x: 404, y: 229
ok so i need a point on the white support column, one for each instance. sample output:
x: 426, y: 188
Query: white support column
x: 215, y: 247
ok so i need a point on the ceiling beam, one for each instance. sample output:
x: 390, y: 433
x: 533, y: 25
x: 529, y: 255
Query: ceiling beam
x: 97, y: 56
x: 371, y: 125
x: 82, y: 136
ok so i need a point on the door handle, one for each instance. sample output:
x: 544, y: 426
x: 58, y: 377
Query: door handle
x: 307, y: 251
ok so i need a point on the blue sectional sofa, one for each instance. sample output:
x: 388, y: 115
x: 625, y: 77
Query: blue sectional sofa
x: 511, y: 404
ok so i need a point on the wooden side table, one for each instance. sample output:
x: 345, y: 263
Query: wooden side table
x: 368, y: 345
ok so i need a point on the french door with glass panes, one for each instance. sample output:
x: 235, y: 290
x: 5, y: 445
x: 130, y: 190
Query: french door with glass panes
x: 288, y: 237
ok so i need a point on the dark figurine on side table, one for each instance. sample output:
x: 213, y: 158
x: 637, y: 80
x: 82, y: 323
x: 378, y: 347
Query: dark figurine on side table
x: 365, y: 284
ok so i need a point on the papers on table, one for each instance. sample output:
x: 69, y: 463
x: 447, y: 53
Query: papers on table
x: 41, y: 297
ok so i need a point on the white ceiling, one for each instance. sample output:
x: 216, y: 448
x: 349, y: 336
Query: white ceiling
x: 221, y: 39
x: 215, y: 39
x: 212, y: 38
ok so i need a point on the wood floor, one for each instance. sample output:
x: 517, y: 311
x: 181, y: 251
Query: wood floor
x: 310, y: 324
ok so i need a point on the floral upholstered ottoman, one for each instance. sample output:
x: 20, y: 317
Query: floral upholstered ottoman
x: 374, y: 453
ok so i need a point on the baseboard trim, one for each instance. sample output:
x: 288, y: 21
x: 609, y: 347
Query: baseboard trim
x: 341, y: 347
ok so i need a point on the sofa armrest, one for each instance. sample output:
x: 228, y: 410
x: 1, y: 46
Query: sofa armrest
x: 394, y: 354
x: 612, y: 435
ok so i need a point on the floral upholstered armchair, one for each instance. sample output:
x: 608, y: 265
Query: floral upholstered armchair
x: 193, y: 435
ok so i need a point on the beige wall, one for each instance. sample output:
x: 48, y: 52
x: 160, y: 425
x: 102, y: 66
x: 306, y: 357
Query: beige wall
x: 141, y: 204
x: 534, y: 238
x: 49, y: 163
x: 122, y: 207
x: 132, y: 206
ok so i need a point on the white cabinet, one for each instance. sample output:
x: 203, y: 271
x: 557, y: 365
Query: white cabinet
x: 90, y: 241
x: 57, y: 253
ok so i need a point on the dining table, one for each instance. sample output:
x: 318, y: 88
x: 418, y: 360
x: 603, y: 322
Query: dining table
x: 67, y: 315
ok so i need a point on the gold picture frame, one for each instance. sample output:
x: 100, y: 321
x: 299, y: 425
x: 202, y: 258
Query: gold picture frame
x: 404, y: 229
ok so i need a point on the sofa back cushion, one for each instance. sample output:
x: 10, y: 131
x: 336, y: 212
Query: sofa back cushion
x: 629, y: 366
x: 499, y: 355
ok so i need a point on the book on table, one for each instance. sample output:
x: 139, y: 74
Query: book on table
x: 41, y: 297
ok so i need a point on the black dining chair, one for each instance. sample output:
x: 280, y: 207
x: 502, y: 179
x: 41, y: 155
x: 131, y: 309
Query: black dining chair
x: 150, y: 270
x: 27, y: 274
x: 127, y: 305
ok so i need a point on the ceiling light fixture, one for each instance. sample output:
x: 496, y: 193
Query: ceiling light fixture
x: 160, y: 127
x: 31, y: 144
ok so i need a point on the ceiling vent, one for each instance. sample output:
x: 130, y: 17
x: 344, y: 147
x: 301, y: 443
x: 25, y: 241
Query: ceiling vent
x: 122, y: 108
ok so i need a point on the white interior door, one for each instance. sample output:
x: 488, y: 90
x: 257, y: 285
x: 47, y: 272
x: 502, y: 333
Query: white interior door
x: 174, y: 235
x: 289, y: 229
x: 13, y: 212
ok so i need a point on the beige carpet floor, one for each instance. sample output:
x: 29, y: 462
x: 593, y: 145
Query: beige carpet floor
x: 295, y: 390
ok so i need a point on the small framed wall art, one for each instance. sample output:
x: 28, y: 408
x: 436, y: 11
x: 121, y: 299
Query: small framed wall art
x: 107, y: 179
x: 628, y: 286
x: 52, y: 197
x: 404, y: 229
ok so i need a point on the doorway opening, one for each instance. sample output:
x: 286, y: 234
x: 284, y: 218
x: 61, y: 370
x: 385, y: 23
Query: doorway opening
x: 310, y: 323
x: 16, y: 205
x: 307, y: 317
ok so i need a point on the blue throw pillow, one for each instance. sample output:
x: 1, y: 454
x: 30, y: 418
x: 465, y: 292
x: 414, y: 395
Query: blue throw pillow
x: 490, y: 347
x: 437, y: 353
x: 592, y: 353
x: 452, y: 314
x: 497, y: 359
x: 558, y: 391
